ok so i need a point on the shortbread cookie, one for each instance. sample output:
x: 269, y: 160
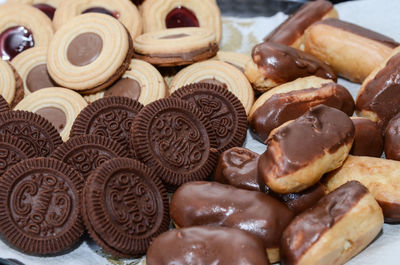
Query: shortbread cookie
x: 162, y: 14
x: 79, y: 54
x: 46, y: 6
x: 123, y: 10
x: 172, y: 47
x: 58, y: 105
x: 239, y: 60
x: 216, y: 72
x: 141, y: 82
x: 31, y: 65
x: 368, y: 140
x: 11, y: 86
x: 22, y: 27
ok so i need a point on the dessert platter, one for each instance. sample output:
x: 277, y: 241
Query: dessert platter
x: 162, y: 132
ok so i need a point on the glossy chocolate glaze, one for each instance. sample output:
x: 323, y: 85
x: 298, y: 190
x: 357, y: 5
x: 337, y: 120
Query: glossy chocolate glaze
x: 282, y: 63
x: 284, y: 107
x: 206, y: 245
x: 360, y: 31
x: 293, y: 27
x: 321, y: 129
x: 391, y: 212
x: 212, y: 203
x: 368, y: 140
x: 238, y: 167
x: 309, y: 227
x: 380, y: 95
x: 392, y: 139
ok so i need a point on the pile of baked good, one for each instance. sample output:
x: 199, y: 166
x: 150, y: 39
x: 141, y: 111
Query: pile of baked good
x: 108, y: 106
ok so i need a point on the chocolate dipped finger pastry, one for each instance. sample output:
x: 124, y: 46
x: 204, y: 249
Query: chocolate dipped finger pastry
x: 22, y: 27
x: 220, y: 73
x: 180, y: 46
x: 212, y: 203
x: 368, y: 140
x: 291, y: 31
x: 380, y: 176
x: 11, y: 86
x: 299, y: 152
x: 392, y: 139
x: 123, y: 10
x: 239, y: 60
x: 141, y: 82
x: 206, y: 245
x: 378, y: 98
x: 351, y: 50
x: 79, y: 54
x: 291, y: 100
x: 164, y: 14
x: 58, y: 105
x: 125, y: 206
x: 275, y: 64
x: 48, y: 7
x: 334, y: 230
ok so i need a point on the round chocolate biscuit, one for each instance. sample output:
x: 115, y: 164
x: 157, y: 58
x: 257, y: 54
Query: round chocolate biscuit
x: 4, y: 105
x: 222, y: 108
x: 85, y: 153
x: 110, y: 117
x: 40, y: 204
x: 176, y: 140
x: 34, y: 130
x: 125, y: 207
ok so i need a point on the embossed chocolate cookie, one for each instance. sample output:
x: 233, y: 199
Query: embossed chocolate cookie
x: 222, y: 108
x: 4, y: 105
x: 11, y: 87
x: 48, y: 7
x: 34, y: 130
x: 79, y: 54
x: 176, y: 140
x: 123, y: 10
x: 58, y: 105
x: 125, y: 207
x: 111, y: 117
x: 171, y: 47
x: 22, y: 27
x: 85, y: 153
x: 40, y: 204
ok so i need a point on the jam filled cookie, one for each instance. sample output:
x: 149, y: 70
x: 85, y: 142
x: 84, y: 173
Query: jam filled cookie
x: 11, y: 86
x: 239, y: 60
x: 22, y: 27
x: 162, y: 14
x: 31, y: 65
x: 368, y: 140
x: 79, y: 54
x: 219, y: 73
x: 185, y: 46
x: 58, y: 105
x: 123, y: 10
x: 46, y: 6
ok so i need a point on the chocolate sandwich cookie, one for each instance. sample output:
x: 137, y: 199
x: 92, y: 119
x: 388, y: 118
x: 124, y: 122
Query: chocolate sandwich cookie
x: 122, y: 10
x: 85, y: 153
x: 40, y: 206
x: 158, y: 15
x: 31, y: 65
x: 206, y: 245
x: 58, y: 105
x: 176, y: 140
x: 239, y: 60
x: 368, y: 140
x: 11, y: 86
x: 34, y: 130
x: 141, y: 82
x: 79, y: 54
x: 222, y: 108
x: 4, y: 105
x: 111, y: 117
x: 48, y: 7
x: 22, y: 27
x: 125, y: 207
x: 275, y: 64
x: 172, y: 47
x: 220, y: 73
x: 392, y: 138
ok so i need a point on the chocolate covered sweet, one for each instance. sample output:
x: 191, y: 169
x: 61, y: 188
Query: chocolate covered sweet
x: 368, y: 140
x: 392, y: 139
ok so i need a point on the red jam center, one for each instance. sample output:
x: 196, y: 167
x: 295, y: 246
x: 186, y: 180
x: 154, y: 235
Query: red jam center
x: 102, y: 11
x: 45, y: 8
x: 181, y: 17
x: 15, y: 40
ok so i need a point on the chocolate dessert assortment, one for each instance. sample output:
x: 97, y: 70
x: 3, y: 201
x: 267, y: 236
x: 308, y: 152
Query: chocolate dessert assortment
x: 93, y: 138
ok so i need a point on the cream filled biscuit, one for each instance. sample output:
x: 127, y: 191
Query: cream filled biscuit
x: 274, y: 64
x: 11, y: 87
x: 239, y: 60
x: 291, y: 100
x: 79, y: 54
x: 335, y: 229
x: 48, y: 7
x: 162, y: 14
x: 368, y: 140
x: 220, y: 73
x: 299, y: 152
x: 351, y: 50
